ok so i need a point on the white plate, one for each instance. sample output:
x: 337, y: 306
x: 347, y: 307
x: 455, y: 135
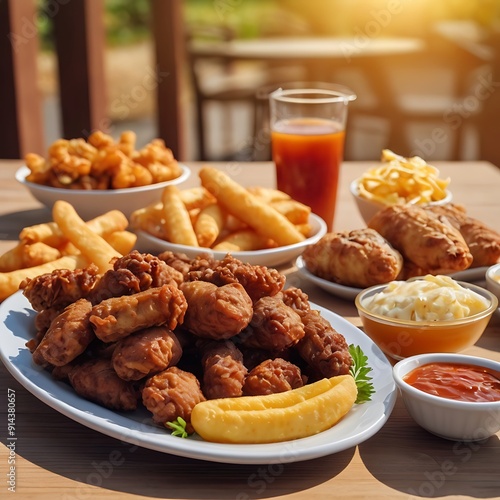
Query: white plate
x: 362, y: 422
x: 342, y: 291
x: 269, y: 257
x: 91, y: 203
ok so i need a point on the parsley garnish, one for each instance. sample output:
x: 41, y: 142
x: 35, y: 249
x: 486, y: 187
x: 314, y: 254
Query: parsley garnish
x: 178, y: 427
x: 359, y: 371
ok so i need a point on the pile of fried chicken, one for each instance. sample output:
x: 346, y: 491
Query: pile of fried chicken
x: 168, y: 332
x: 404, y: 241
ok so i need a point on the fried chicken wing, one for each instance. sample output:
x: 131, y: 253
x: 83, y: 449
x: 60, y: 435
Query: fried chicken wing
x: 216, y: 312
x: 118, y: 317
x: 145, y: 353
x: 322, y: 347
x: 170, y: 394
x: 223, y: 370
x: 422, y: 238
x: 295, y: 298
x: 272, y: 376
x: 114, y: 284
x: 68, y: 335
x: 358, y: 258
x: 60, y: 287
x: 274, y: 326
x: 483, y: 241
x: 97, y: 381
x: 258, y: 281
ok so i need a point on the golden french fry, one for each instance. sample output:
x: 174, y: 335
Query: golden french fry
x: 122, y: 241
x: 178, y: 227
x: 294, y: 414
x: 243, y: 240
x: 23, y: 255
x: 9, y: 282
x: 268, y: 195
x: 294, y: 211
x: 197, y: 197
x: 208, y: 225
x: 90, y: 244
x: 250, y: 209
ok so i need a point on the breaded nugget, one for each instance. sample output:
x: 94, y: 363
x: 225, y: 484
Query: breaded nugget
x: 358, y: 258
x: 483, y: 241
x: 422, y: 238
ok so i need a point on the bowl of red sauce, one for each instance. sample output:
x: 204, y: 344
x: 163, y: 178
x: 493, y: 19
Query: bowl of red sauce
x: 454, y: 396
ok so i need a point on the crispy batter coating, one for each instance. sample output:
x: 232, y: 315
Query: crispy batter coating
x: 223, y: 370
x: 184, y: 264
x: 114, y: 284
x: 118, y: 317
x: 216, y: 312
x: 97, y: 381
x: 272, y: 376
x: 258, y: 281
x: 358, y: 258
x: 69, y: 334
x: 170, y: 394
x: 60, y: 287
x: 146, y: 352
x: 295, y: 298
x: 483, y: 241
x: 422, y: 238
x: 274, y: 326
x: 322, y: 347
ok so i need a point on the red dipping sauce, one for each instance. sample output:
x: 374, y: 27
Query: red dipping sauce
x: 456, y: 381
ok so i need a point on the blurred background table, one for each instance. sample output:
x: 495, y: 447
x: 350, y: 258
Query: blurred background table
x: 59, y: 458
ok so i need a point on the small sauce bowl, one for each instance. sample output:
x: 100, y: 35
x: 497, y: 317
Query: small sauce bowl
x: 453, y: 419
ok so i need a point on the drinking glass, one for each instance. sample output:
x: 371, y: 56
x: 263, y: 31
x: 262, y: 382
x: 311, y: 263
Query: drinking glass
x: 307, y: 141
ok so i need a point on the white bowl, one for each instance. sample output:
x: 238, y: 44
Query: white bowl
x: 368, y: 208
x: 91, y: 203
x: 493, y: 279
x: 268, y: 257
x: 449, y: 418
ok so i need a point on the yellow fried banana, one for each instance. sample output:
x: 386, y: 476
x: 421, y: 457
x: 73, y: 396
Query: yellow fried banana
x: 278, y: 417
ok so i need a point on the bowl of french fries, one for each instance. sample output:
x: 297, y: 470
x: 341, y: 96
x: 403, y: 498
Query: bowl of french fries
x: 100, y: 174
x: 398, y: 180
x: 260, y: 226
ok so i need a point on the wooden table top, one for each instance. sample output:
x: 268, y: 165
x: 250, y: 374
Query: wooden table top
x: 56, y: 457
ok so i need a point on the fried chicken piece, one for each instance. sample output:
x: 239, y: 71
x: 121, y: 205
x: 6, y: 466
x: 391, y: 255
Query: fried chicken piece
x: 118, y: 317
x: 145, y: 353
x: 114, y: 284
x: 97, y: 381
x: 258, y: 281
x: 322, y: 347
x: 358, y: 258
x: 422, y: 238
x: 60, y: 287
x: 216, y: 312
x: 274, y: 326
x: 483, y: 241
x: 184, y: 264
x: 170, y: 394
x: 272, y: 376
x: 295, y: 298
x: 223, y: 370
x: 69, y: 334
x: 44, y: 318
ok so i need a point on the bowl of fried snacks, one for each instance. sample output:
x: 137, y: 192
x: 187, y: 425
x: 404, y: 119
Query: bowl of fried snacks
x: 260, y: 226
x: 396, y: 181
x: 425, y: 314
x: 100, y: 174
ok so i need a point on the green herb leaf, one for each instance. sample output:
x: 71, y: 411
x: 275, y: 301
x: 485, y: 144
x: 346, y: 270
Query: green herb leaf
x: 360, y: 370
x: 178, y: 427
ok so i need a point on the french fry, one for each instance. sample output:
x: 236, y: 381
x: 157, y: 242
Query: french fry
x: 197, y: 197
x: 23, y: 255
x: 294, y: 211
x: 294, y: 414
x: 9, y: 282
x: 209, y: 224
x: 90, y: 244
x: 178, y: 227
x: 269, y: 195
x: 243, y: 240
x: 249, y: 208
x: 122, y: 241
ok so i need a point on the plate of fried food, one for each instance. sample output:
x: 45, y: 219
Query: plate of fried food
x: 402, y: 242
x: 100, y: 174
x: 257, y: 225
x: 180, y: 356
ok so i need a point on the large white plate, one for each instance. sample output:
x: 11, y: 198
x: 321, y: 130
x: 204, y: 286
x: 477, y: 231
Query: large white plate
x: 342, y: 291
x: 362, y: 422
x: 269, y: 257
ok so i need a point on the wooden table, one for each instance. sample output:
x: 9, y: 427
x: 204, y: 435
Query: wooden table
x: 59, y: 458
